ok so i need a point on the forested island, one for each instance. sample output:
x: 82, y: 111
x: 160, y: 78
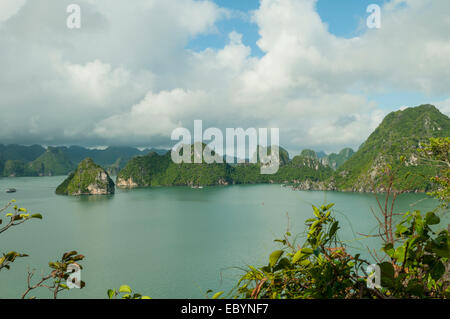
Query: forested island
x: 395, y: 142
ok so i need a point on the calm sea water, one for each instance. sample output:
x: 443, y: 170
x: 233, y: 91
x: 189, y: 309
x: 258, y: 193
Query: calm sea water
x: 169, y: 242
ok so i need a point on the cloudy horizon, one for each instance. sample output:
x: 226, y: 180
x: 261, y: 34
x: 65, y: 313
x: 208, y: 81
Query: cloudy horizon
x: 135, y: 71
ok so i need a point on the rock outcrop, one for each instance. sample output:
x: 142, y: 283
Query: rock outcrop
x: 88, y: 179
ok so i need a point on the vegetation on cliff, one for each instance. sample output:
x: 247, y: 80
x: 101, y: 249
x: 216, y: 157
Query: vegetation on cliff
x: 412, y: 262
x: 88, y: 179
x: 337, y: 160
x: 157, y: 170
x: 52, y: 162
x: 37, y: 161
x: 395, y: 141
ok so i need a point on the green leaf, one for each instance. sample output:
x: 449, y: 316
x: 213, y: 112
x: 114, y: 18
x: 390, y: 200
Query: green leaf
x: 400, y: 254
x: 125, y: 288
x: 69, y: 254
x: 316, y: 252
x: 432, y: 219
x: 284, y: 263
x: 273, y: 259
x: 38, y: 216
x: 415, y: 287
x: 305, y: 262
x: 389, y: 249
x: 316, y: 211
x: 437, y: 271
x: 298, y: 255
x: 387, y: 274
x: 111, y: 293
x: 334, y: 229
x: 217, y: 295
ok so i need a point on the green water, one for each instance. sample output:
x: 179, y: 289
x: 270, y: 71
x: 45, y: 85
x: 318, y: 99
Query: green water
x: 168, y: 242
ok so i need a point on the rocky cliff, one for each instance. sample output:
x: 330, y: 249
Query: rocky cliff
x: 88, y: 179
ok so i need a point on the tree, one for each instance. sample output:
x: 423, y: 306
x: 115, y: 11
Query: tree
x: 416, y: 251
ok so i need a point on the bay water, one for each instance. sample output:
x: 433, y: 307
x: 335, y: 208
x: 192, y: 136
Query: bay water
x: 170, y: 242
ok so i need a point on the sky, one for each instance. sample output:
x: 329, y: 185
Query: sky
x: 136, y: 70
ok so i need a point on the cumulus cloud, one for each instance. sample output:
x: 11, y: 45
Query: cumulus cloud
x: 8, y: 8
x: 127, y: 78
x: 444, y: 106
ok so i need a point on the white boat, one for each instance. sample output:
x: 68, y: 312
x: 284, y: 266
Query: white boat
x: 11, y: 190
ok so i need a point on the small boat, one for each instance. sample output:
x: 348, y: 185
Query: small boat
x: 11, y: 190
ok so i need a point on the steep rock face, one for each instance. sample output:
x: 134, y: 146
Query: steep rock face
x: 126, y: 183
x: 88, y: 179
x: 337, y: 160
x: 143, y: 171
x: 159, y: 170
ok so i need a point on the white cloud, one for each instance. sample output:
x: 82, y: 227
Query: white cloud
x: 8, y: 8
x: 444, y: 106
x: 95, y: 78
x: 126, y: 76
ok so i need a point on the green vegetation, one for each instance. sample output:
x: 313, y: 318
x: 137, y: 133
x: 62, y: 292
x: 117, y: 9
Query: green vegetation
x: 124, y: 292
x: 157, y: 170
x: 322, y: 268
x: 59, y: 273
x: 52, y: 162
x: 414, y: 261
x: 17, y: 168
x: 436, y: 153
x: 414, y: 264
x: 337, y: 160
x: 106, y: 157
x: 88, y: 179
x: 37, y: 161
x: 20, y: 153
x: 395, y: 141
x: 160, y: 170
x: 400, y: 134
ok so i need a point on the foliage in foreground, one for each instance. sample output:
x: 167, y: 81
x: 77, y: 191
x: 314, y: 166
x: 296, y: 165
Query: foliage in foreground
x: 322, y: 268
x: 60, y: 274
x: 415, y: 262
x: 124, y: 292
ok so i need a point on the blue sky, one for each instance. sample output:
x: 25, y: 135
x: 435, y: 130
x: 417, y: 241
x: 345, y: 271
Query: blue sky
x: 133, y: 72
x: 344, y: 19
